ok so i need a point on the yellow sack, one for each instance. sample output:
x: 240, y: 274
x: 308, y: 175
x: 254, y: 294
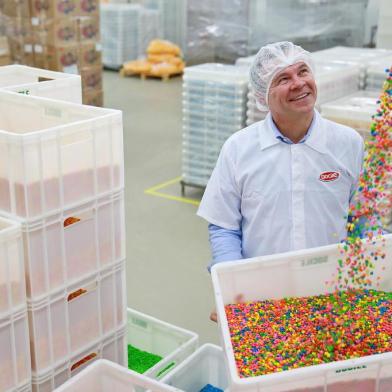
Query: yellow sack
x: 163, y: 69
x: 158, y: 46
x: 137, y: 67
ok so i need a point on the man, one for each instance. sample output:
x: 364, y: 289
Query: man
x: 283, y: 183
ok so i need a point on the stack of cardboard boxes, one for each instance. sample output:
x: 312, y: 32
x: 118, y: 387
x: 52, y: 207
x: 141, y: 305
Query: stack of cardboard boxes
x: 60, y: 35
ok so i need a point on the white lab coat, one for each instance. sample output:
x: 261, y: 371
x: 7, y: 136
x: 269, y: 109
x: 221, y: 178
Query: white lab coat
x: 284, y: 196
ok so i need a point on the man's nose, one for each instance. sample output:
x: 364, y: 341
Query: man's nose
x: 297, y: 82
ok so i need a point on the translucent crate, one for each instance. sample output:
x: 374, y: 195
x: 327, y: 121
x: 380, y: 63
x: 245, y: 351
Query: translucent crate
x: 12, y: 276
x: 40, y: 82
x: 104, y: 375
x: 77, y: 316
x: 298, y: 274
x: 355, y: 111
x: 56, y: 154
x: 111, y: 347
x: 65, y: 247
x: 172, y: 343
x: 15, y: 370
x: 376, y: 73
x: 218, y: 74
x: 205, y: 366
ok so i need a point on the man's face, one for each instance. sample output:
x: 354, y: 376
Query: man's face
x: 293, y: 91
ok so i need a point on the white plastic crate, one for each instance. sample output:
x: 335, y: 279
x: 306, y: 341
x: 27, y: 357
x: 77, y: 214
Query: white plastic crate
x: 55, y: 155
x: 297, y: 274
x: 104, y: 375
x: 355, y: 111
x: 63, y: 248
x: 111, y: 347
x: 40, y: 82
x: 12, y: 276
x: 205, y: 366
x: 376, y: 73
x: 170, y: 342
x: 15, y: 370
x: 77, y: 316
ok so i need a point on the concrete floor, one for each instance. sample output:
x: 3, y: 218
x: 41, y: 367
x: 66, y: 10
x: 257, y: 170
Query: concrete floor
x: 167, y: 244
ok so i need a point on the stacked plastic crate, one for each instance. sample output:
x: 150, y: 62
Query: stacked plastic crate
x: 376, y: 73
x: 126, y: 31
x: 214, y: 105
x: 354, y: 56
x: 15, y: 374
x: 61, y: 177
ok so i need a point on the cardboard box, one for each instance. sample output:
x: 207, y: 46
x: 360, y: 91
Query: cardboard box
x: 88, y: 8
x: 5, y: 57
x: 57, y: 32
x: 90, y: 55
x: 93, y: 97
x: 52, y: 9
x: 15, y: 8
x: 57, y: 58
x: 91, y: 78
x: 88, y: 29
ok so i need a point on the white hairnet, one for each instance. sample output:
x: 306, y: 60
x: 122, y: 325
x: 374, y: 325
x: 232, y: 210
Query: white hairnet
x: 269, y: 61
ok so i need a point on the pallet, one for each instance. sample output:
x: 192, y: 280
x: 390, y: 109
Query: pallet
x: 146, y: 75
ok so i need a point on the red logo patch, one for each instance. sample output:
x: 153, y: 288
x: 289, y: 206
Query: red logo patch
x: 329, y: 176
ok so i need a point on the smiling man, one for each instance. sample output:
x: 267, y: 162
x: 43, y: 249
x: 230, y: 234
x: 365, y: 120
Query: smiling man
x: 283, y: 183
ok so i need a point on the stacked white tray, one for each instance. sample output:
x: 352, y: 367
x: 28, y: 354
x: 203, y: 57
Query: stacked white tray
x: 126, y: 30
x: 376, y: 73
x: 214, y: 102
x: 384, y: 28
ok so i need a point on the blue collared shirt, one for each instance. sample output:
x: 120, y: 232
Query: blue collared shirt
x: 285, y: 139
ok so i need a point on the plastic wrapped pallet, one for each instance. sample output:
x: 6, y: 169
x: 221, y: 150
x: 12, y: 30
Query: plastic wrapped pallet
x: 313, y: 24
x: 214, y: 104
x: 384, y: 30
x: 172, y: 15
x: 126, y: 31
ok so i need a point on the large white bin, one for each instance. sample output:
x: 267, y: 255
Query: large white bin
x: 111, y: 347
x: 172, y: 343
x: 103, y: 376
x: 65, y: 247
x: 41, y: 82
x: 12, y: 277
x: 15, y: 371
x: 205, y: 366
x: 56, y: 154
x: 80, y: 314
x: 297, y: 274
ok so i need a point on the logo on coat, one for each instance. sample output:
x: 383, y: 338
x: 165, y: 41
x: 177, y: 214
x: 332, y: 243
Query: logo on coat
x: 329, y: 176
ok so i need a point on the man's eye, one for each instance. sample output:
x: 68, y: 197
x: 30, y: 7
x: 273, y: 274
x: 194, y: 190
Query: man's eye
x: 283, y: 80
x: 304, y: 72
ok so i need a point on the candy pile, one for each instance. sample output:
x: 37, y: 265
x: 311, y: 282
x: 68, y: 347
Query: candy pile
x: 276, y: 335
x: 140, y: 361
x: 372, y: 202
x: 210, y: 388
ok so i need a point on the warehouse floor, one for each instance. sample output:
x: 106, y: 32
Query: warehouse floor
x: 167, y: 244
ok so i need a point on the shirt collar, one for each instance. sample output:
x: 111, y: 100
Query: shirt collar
x: 315, y: 138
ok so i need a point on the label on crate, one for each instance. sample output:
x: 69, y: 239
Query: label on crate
x: 350, y: 369
x: 313, y: 261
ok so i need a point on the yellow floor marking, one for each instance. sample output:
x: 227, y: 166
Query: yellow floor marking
x: 153, y: 191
